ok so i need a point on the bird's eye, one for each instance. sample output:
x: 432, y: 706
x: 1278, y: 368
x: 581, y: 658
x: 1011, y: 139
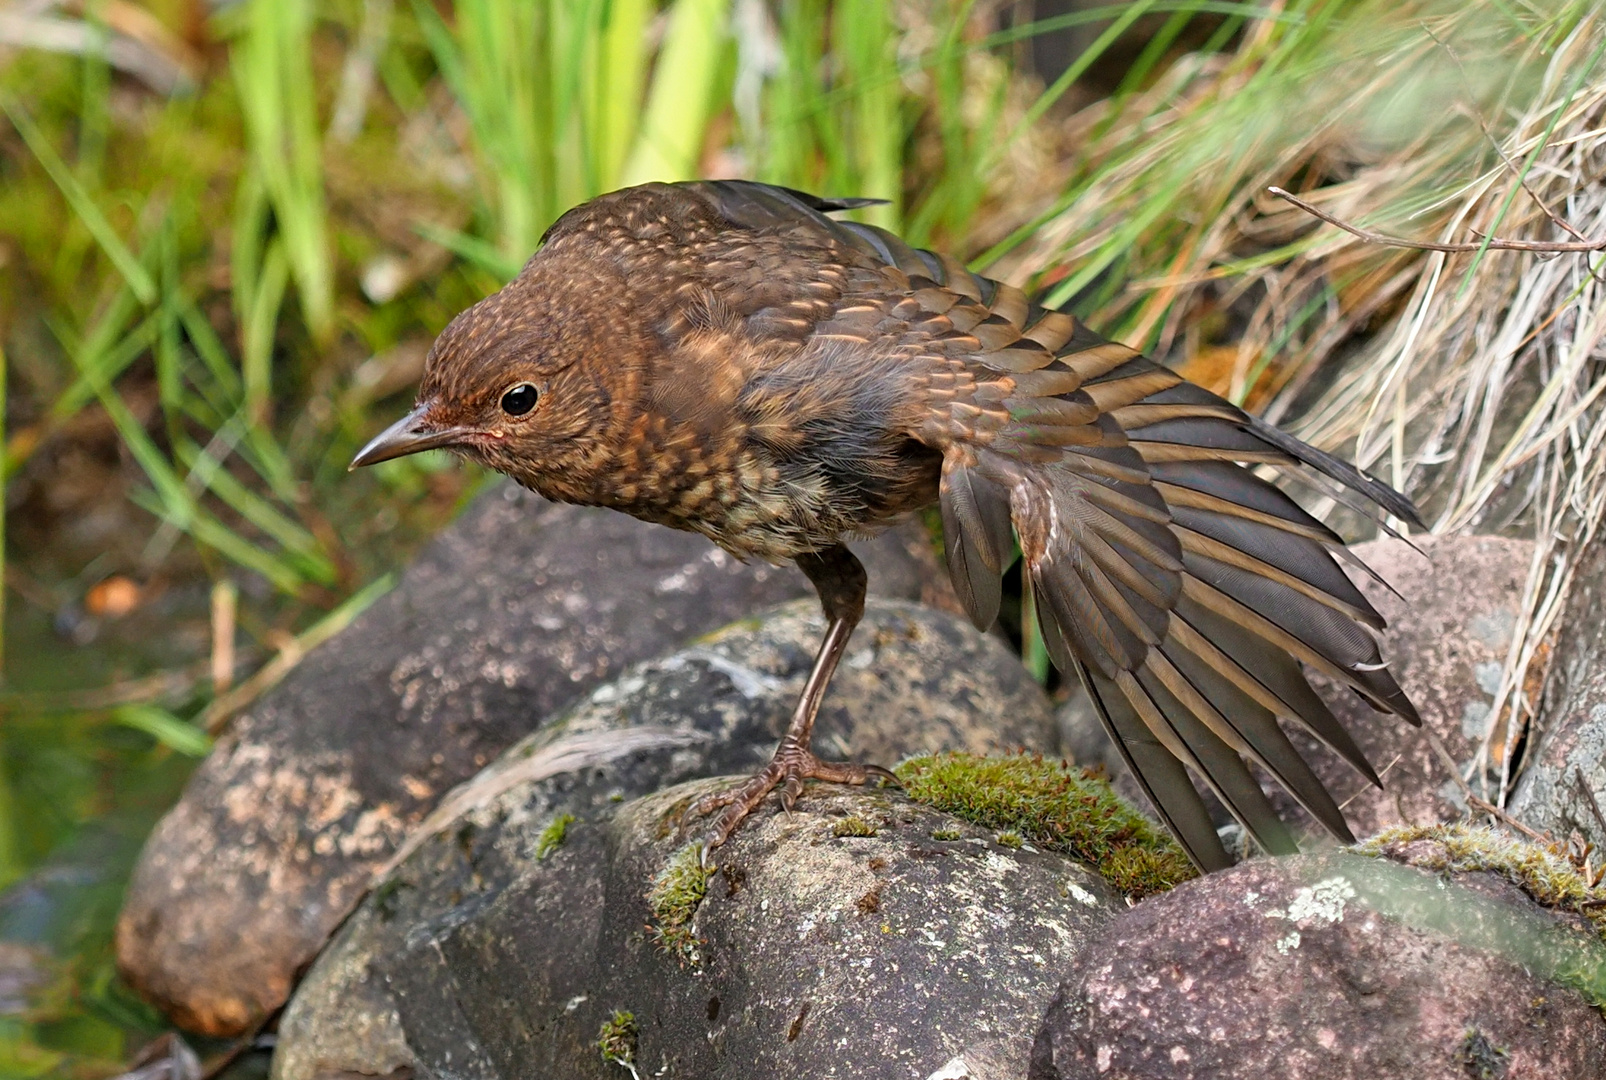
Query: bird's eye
x: 520, y: 400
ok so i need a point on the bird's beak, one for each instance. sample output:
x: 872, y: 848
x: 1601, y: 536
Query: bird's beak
x: 408, y: 435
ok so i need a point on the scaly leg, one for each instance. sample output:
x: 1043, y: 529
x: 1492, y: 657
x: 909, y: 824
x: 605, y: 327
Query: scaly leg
x: 840, y: 580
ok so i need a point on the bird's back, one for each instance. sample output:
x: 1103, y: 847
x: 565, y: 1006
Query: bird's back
x: 1187, y: 592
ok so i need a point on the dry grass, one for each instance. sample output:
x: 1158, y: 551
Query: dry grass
x: 1472, y: 381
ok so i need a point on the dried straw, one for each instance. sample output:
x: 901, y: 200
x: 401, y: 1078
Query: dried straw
x: 1473, y: 381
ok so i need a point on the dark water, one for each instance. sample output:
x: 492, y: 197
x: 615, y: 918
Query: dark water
x: 79, y: 791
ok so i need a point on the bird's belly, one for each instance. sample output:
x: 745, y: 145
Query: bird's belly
x: 772, y: 513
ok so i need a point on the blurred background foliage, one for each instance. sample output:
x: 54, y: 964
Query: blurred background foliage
x: 229, y: 232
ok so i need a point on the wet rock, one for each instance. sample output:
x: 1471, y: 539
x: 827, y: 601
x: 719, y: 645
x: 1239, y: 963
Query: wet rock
x: 914, y: 680
x: 1333, y: 967
x: 516, y: 610
x: 1448, y: 633
x: 1563, y: 788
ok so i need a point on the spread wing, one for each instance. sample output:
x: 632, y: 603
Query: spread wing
x: 1186, y: 591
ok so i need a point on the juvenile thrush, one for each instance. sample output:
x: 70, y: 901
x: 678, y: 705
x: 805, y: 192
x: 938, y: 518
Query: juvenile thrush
x: 723, y: 357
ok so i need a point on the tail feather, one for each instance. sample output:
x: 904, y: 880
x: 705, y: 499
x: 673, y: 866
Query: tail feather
x: 1162, y: 776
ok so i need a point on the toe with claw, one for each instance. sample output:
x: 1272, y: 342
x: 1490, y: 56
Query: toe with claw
x: 787, y: 770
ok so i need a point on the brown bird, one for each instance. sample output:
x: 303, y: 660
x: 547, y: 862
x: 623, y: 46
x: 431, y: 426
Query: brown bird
x: 723, y: 357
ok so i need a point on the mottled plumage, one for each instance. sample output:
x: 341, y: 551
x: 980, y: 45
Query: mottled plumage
x: 723, y: 357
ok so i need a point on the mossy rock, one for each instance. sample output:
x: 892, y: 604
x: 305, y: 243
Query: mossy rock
x: 530, y: 830
x: 1335, y: 966
x: 759, y: 961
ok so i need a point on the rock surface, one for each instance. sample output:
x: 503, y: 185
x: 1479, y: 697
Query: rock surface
x: 1293, y: 962
x: 816, y: 952
x: 1448, y: 632
x: 914, y: 680
x: 516, y: 610
x: 1563, y: 787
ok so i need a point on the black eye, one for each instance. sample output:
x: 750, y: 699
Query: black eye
x: 520, y: 399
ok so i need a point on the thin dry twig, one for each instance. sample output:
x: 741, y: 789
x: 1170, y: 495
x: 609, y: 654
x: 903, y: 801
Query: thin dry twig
x: 1589, y: 798
x: 1484, y: 806
x: 172, y: 685
x: 291, y: 652
x: 1381, y: 773
x: 1492, y: 243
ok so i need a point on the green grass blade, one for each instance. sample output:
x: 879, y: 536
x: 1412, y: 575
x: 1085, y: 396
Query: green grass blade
x: 82, y: 203
x: 165, y: 728
x: 272, y: 65
x: 258, y: 331
x: 679, y: 100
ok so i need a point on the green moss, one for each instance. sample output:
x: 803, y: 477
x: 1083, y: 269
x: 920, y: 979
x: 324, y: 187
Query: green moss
x: 552, y: 836
x: 676, y: 892
x: 1482, y: 1059
x: 1011, y: 839
x: 617, y: 1040
x: 946, y: 834
x: 853, y: 825
x: 1542, y: 871
x: 1053, y: 806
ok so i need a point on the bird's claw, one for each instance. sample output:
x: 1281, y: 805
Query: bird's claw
x: 787, y: 770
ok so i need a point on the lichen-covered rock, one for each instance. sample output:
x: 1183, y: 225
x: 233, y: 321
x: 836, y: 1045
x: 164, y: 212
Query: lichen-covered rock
x: 516, y: 610
x: 1449, y: 629
x: 528, y: 834
x: 1332, y: 967
x: 840, y: 940
x: 1563, y: 787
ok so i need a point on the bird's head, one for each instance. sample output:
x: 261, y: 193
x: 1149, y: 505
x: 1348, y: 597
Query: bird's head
x: 532, y: 381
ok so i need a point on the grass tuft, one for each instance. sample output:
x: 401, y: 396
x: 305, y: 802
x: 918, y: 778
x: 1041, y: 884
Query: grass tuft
x: 1053, y: 806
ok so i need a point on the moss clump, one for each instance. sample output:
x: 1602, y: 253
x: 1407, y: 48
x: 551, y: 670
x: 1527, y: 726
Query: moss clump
x: 552, y: 836
x: 1482, y: 1059
x: 1011, y: 839
x: 853, y: 825
x: 1054, y: 806
x: 1543, y: 871
x: 617, y: 1040
x: 947, y: 834
x: 676, y: 892
x: 388, y: 896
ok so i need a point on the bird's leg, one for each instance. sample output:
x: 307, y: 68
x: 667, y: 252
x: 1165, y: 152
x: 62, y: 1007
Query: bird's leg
x: 840, y: 580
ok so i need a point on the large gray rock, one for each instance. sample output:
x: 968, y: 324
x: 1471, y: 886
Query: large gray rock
x: 1449, y: 629
x: 816, y: 952
x: 390, y: 992
x: 519, y: 608
x: 1563, y: 788
x: 1330, y: 967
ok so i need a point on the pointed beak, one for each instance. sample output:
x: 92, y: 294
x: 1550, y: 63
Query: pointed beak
x: 408, y: 435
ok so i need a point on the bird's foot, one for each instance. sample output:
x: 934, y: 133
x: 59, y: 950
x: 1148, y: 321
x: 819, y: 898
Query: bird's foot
x: 787, y: 770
